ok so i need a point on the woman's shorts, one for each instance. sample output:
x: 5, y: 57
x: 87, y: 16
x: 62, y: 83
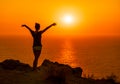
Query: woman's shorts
x: 37, y: 47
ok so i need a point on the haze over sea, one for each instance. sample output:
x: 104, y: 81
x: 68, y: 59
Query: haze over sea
x: 99, y: 56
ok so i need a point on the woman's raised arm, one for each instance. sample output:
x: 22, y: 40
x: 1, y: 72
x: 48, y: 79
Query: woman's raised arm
x: 48, y: 27
x: 24, y: 25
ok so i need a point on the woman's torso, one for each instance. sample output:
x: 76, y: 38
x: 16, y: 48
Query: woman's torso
x: 37, y: 38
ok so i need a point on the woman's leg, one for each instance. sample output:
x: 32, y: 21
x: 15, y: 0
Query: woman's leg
x: 36, y: 55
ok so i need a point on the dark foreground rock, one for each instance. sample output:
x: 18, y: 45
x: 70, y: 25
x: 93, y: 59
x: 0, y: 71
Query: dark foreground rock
x: 15, y: 72
x: 11, y: 64
x: 56, y: 72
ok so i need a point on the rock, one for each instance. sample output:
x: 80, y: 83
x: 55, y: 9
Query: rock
x: 11, y: 64
x: 48, y: 73
x: 54, y: 71
x: 77, y: 71
x: 24, y: 67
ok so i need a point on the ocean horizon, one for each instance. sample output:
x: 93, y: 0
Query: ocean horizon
x: 98, y: 56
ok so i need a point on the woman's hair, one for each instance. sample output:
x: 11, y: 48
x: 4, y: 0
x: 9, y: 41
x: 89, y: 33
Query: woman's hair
x: 37, y: 26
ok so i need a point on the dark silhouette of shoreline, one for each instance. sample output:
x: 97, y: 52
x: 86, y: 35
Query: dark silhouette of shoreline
x: 15, y: 72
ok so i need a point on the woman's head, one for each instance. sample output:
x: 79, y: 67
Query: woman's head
x: 37, y: 26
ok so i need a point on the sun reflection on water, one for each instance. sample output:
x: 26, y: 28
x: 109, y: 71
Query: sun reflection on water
x: 67, y: 54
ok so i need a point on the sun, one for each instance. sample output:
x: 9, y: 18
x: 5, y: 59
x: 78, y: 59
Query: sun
x: 67, y: 19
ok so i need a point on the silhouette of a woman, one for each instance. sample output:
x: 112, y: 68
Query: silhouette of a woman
x: 37, y: 45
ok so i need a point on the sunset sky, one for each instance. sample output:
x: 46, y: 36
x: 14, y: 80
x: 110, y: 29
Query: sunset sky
x: 88, y: 17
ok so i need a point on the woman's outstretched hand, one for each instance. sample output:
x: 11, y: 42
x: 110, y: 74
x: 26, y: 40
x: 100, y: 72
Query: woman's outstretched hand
x: 53, y: 24
x: 23, y: 25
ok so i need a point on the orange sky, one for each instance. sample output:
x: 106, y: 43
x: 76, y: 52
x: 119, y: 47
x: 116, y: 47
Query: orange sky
x: 92, y: 17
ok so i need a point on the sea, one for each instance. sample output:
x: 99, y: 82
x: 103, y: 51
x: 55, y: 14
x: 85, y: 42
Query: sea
x: 99, y: 57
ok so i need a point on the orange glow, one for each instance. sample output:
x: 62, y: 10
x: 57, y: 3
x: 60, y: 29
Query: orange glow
x: 90, y: 17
